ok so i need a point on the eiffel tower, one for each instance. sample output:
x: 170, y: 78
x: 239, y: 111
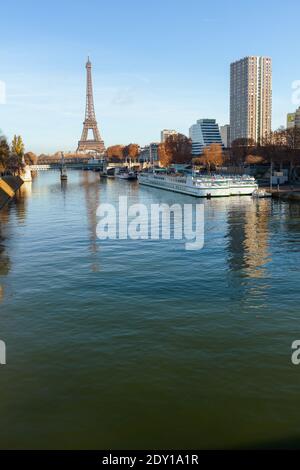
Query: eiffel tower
x: 96, y: 144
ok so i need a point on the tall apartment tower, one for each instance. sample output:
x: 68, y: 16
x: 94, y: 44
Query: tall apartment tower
x: 250, y: 98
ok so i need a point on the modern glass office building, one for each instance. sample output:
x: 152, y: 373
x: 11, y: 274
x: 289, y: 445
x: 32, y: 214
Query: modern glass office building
x: 204, y: 133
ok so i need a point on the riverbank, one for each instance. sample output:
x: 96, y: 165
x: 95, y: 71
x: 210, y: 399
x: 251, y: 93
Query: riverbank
x: 285, y: 193
x: 8, y: 187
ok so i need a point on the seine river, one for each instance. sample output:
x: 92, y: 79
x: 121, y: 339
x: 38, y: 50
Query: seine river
x: 142, y: 344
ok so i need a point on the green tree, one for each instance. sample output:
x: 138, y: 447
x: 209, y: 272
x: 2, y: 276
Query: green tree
x: 16, y: 159
x: 17, y: 146
x: 4, y: 154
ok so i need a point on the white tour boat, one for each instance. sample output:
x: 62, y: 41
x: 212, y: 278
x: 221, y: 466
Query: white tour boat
x: 242, y: 185
x: 200, y: 185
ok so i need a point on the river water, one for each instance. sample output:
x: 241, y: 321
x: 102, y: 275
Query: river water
x: 139, y: 343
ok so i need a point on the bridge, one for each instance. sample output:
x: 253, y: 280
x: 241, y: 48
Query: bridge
x: 69, y: 164
x: 40, y: 167
x: 75, y: 165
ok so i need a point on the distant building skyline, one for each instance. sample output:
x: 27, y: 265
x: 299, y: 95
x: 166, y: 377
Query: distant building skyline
x: 149, y: 153
x: 293, y: 119
x: 165, y: 133
x: 290, y: 120
x: 225, y: 135
x: 204, y: 133
x: 251, y: 98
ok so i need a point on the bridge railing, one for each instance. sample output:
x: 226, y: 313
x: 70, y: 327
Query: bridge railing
x: 69, y: 164
x: 39, y: 167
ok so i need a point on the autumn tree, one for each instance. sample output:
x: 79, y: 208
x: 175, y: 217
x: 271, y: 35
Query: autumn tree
x: 280, y: 147
x: 176, y: 149
x: 131, y: 152
x: 293, y: 146
x: 164, y: 158
x: 216, y: 155
x: 205, y: 158
x: 240, y: 148
x: 212, y: 156
x: 115, y: 153
x: 30, y: 158
x: 292, y: 137
x: 273, y: 147
x: 254, y: 159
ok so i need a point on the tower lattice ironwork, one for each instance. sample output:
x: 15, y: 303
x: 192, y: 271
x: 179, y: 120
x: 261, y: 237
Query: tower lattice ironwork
x: 85, y: 144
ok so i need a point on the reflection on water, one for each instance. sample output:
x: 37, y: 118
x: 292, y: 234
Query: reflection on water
x: 256, y: 240
x: 243, y: 221
x: 4, y: 258
x: 20, y: 201
x: 142, y: 344
x: 91, y: 186
x: 248, y: 234
x: 25, y: 190
x: 64, y: 185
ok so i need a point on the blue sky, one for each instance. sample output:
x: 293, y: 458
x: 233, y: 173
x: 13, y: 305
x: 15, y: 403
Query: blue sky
x: 156, y: 64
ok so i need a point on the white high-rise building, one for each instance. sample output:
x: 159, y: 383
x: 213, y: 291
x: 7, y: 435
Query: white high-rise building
x: 166, y: 133
x: 204, y: 133
x: 251, y: 98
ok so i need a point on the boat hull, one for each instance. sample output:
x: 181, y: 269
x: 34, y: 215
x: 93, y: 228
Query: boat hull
x: 127, y: 177
x: 243, y: 191
x: 205, y: 190
x: 189, y: 191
